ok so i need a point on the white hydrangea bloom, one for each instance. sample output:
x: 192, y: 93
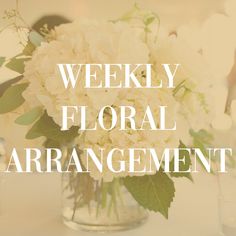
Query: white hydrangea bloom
x: 84, y: 42
x: 139, y: 99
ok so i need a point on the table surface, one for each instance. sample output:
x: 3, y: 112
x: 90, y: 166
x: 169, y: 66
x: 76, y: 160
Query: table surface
x: 31, y: 205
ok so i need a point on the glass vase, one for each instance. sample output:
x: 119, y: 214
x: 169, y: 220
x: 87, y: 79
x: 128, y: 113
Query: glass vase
x: 98, y: 206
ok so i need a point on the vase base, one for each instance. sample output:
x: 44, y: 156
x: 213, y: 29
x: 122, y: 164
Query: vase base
x: 106, y: 227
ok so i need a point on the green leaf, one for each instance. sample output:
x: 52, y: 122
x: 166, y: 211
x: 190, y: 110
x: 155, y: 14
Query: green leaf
x: 46, y: 127
x: 6, y: 83
x: 29, y: 117
x: 29, y: 49
x: 202, y: 136
x: 51, y: 144
x: 17, y: 64
x: 35, y: 38
x: 201, y: 139
x: 182, y: 166
x: 2, y: 60
x: 149, y: 20
x: 153, y: 192
x: 12, y: 98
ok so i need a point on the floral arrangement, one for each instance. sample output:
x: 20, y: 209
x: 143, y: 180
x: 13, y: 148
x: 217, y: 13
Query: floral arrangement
x: 134, y: 38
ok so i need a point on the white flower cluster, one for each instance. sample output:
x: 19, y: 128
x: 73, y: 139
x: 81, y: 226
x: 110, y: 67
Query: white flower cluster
x: 193, y: 83
x: 101, y: 42
x: 79, y: 42
x: 108, y: 140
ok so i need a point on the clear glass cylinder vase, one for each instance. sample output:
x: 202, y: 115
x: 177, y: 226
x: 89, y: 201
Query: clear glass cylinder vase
x: 98, y: 206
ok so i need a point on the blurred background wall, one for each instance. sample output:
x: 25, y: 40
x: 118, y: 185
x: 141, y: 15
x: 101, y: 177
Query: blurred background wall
x: 172, y: 12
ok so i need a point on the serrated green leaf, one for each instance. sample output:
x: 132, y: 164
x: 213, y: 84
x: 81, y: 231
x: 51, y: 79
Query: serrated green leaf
x: 12, y: 98
x: 17, y: 64
x: 46, y: 127
x: 35, y: 38
x: 182, y: 166
x: 2, y: 60
x: 29, y: 117
x: 153, y: 192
